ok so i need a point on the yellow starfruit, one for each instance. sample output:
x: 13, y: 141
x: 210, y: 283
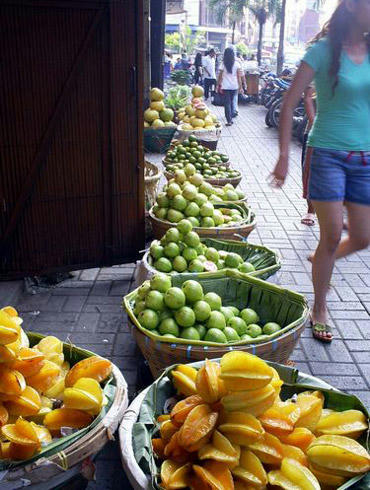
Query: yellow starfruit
x: 220, y: 449
x: 182, y: 408
x: 174, y: 475
x: 183, y: 379
x: 241, y: 428
x: 254, y: 402
x: 311, y: 408
x: 293, y: 476
x: 350, y: 423
x: 215, y: 475
x: 268, y: 449
x: 86, y: 394
x: 242, y: 371
x: 250, y: 470
x: 198, y: 427
x: 208, y: 383
x: 94, y: 367
x: 26, y: 404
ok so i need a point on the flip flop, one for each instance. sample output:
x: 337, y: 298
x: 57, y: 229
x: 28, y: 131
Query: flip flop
x: 308, y: 219
x: 318, y: 328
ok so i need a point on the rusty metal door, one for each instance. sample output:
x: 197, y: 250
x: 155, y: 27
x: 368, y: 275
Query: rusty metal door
x: 71, y: 173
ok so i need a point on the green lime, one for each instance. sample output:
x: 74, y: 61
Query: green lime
x: 169, y: 326
x: 179, y: 264
x: 238, y: 324
x: 213, y: 300
x: 201, y: 329
x: 184, y: 226
x: 196, y: 266
x: 231, y: 334
x: 171, y: 250
x: 193, y: 291
x: 185, y: 316
x: 235, y: 310
x: 148, y: 319
x: 189, y: 254
x: 202, y: 310
x: 163, y: 265
x: 215, y: 335
x: 245, y: 336
x: 227, y: 312
x: 246, y: 267
x: 270, y: 328
x: 216, y: 320
x: 190, y: 333
x: 233, y: 260
x: 140, y: 306
x: 249, y: 316
x: 254, y: 330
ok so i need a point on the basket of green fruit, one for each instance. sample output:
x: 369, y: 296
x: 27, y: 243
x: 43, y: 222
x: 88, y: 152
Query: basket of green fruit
x: 178, y: 253
x: 179, y: 319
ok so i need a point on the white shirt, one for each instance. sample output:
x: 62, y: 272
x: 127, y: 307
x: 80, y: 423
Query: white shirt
x: 209, y: 67
x: 230, y: 80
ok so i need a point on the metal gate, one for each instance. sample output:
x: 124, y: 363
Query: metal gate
x: 71, y: 173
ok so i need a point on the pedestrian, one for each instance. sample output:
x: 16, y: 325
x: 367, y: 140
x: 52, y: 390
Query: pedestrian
x: 167, y: 65
x: 209, y: 72
x: 310, y: 109
x: 198, y: 69
x: 185, y: 64
x: 178, y: 64
x: 229, y: 83
x: 339, y: 62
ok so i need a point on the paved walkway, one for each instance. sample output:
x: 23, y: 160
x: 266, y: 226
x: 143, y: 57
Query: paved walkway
x: 87, y: 308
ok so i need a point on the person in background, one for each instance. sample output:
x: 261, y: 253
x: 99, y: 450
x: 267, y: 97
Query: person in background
x: 209, y: 72
x: 198, y: 69
x: 339, y: 62
x: 167, y: 65
x: 178, y: 64
x: 185, y: 64
x: 229, y: 83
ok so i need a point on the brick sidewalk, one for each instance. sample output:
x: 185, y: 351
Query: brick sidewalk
x: 87, y: 308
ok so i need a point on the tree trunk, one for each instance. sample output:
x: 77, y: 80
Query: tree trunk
x: 260, y: 40
x: 280, y: 53
x: 233, y: 33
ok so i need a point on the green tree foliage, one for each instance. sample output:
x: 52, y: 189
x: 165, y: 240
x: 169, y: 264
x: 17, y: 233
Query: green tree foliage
x: 189, y: 43
x: 233, y: 10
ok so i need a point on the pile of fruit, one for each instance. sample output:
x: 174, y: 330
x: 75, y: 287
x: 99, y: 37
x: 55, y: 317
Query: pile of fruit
x: 40, y: 394
x: 196, y: 116
x: 188, y: 313
x: 208, y: 163
x: 158, y: 116
x: 183, y: 252
x: 231, y: 430
x: 187, y: 195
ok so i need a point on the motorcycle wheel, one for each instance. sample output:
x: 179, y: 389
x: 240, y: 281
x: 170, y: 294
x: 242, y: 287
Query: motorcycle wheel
x: 268, y: 119
x: 275, y: 113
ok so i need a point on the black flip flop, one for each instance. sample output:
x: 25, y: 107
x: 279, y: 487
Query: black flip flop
x: 318, y: 328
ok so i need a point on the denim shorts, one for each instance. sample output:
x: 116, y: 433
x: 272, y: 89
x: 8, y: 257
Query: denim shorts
x: 336, y: 175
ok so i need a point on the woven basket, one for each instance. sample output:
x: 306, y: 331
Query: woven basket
x: 235, y: 181
x: 208, y: 138
x: 271, y: 302
x: 62, y: 463
x: 266, y: 261
x: 152, y: 178
x: 241, y: 231
x: 168, y: 162
x: 158, y: 140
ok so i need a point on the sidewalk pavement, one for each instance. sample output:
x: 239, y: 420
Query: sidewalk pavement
x: 86, y: 309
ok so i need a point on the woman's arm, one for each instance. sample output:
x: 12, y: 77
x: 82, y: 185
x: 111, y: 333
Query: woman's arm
x: 240, y: 79
x: 309, y: 105
x: 219, y: 81
x: 303, y: 78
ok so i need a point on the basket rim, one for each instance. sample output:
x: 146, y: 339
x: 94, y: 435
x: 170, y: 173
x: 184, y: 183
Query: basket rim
x: 152, y: 178
x: 216, y: 182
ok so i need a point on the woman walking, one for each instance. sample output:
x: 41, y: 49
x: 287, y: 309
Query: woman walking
x: 339, y: 62
x: 198, y: 69
x: 229, y: 82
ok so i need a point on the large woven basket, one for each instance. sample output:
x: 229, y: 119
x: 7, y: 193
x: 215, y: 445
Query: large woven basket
x: 208, y: 138
x: 271, y: 302
x: 235, y: 181
x: 241, y: 230
x: 64, y: 461
x: 265, y: 260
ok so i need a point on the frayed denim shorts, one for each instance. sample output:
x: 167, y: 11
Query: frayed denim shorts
x: 335, y: 175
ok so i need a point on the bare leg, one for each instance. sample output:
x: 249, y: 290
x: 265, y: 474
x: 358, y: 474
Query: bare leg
x: 358, y: 230
x: 330, y: 216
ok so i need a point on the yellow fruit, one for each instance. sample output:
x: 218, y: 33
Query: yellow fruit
x: 300, y: 437
x: 175, y: 452
x: 197, y: 428
x: 174, y: 475
x: 268, y: 449
x: 167, y: 430
x: 4, y: 415
x: 182, y: 408
x: 56, y: 390
x: 4, y: 450
x: 350, y: 423
x: 254, y: 402
x: 9, y: 330
x: 293, y: 452
x: 21, y: 452
x: 67, y: 417
x: 243, y: 371
x: 22, y: 432
x: 241, y: 428
x: 328, y: 479
x: 86, y: 394
x: 94, y: 367
x: 183, y: 378
x: 215, y: 475
x: 158, y: 446
x: 42, y: 433
x: 220, y: 449
x: 279, y: 420
x: 7, y: 354
x: 45, y: 378
x: 311, y: 409
x: 9, y: 310
x: 208, y: 384
x: 29, y: 361
x: 26, y: 404
x: 250, y: 470
x: 11, y: 381
x: 292, y: 475
x: 276, y: 382
x: 157, y: 105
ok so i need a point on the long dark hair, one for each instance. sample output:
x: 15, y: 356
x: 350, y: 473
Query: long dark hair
x: 229, y: 59
x: 198, y: 60
x: 336, y: 30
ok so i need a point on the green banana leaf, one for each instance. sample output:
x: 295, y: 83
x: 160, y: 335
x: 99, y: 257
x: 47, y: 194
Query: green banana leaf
x: 73, y: 355
x: 294, y: 382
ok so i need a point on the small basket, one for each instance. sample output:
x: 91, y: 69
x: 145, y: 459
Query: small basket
x: 271, y: 302
x: 242, y: 230
x: 158, y: 140
x: 207, y: 138
x: 235, y: 181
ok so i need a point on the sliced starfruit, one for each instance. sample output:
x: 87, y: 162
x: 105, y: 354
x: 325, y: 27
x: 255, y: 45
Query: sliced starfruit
x: 183, y: 378
x: 4, y: 415
x: 250, y: 470
x: 268, y: 449
x: 340, y: 455
x: 174, y: 475
x: 86, y: 394
x: 216, y: 475
x: 279, y: 420
x: 12, y: 382
x: 9, y: 330
x: 293, y: 452
x: 300, y: 437
x: 293, y: 476
x: 350, y: 423
x: 254, y: 402
x: 242, y: 371
x: 197, y: 429
x: 26, y: 404
x: 22, y: 432
x: 182, y: 408
x: 56, y: 390
x: 94, y: 367
x: 241, y: 428
x: 167, y: 430
x: 208, y: 383
x: 67, y: 417
x: 45, y: 378
x: 310, y: 406
x: 220, y: 449
x: 175, y: 452
x: 158, y: 446
x: 29, y: 361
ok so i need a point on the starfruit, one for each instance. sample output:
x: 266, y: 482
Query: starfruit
x: 293, y: 476
x: 174, y: 451
x: 11, y: 381
x: 43, y: 433
x: 197, y: 429
x: 46, y: 407
x: 242, y: 371
x: 94, y: 367
x: 340, y: 455
x: 215, y: 475
x: 311, y: 408
x: 7, y: 354
x: 279, y: 420
x: 45, y: 378
x: 21, y: 452
x: 328, y: 479
x: 4, y: 415
x: 174, y: 475
x: 56, y: 390
x: 241, y: 428
x: 29, y: 361
x: 26, y: 404
x: 268, y: 449
x: 10, y: 310
x: 158, y: 446
x: 254, y: 402
x: 220, y: 449
x: 350, y: 423
x: 300, y: 437
x: 293, y: 452
x: 4, y: 450
x: 9, y: 330
x: 182, y: 408
x: 250, y: 470
x: 67, y: 417
x: 22, y: 432
x: 183, y: 379
x: 167, y: 429
x: 276, y: 382
x: 86, y: 394
x: 208, y: 383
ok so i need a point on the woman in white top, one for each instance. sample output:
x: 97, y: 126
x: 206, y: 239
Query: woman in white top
x: 229, y: 82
